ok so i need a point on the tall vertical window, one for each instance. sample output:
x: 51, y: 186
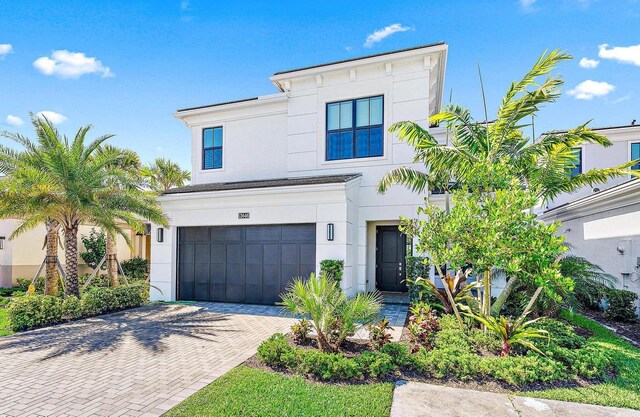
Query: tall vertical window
x: 212, y: 148
x: 355, y: 128
x: 577, y: 168
x: 635, y: 154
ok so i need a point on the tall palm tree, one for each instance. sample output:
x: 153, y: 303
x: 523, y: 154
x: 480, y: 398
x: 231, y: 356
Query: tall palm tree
x: 20, y: 201
x: 164, y: 174
x: 128, y: 163
x: 68, y: 179
x: 543, y: 165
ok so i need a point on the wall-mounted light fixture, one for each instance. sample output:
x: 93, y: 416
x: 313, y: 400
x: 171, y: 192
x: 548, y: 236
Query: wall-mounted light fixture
x: 160, y: 237
x: 330, y: 231
x: 2, y: 242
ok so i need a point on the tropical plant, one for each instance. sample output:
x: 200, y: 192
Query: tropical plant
x: 423, y: 326
x: 543, y: 164
x: 591, y: 282
x: 136, y: 268
x: 334, y: 316
x: 66, y: 181
x: 379, y: 333
x: 301, y: 330
x: 513, y: 332
x: 95, y: 247
x: 457, y: 286
x: 163, y: 174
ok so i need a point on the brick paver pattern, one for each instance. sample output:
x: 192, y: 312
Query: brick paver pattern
x: 136, y: 363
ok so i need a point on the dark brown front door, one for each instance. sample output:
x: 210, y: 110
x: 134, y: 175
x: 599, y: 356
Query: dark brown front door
x: 391, y: 247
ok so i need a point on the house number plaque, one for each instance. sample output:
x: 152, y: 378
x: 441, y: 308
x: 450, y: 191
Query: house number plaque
x: 243, y: 215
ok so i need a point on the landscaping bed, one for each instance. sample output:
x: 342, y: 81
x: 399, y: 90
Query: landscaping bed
x: 630, y: 330
x: 585, y: 363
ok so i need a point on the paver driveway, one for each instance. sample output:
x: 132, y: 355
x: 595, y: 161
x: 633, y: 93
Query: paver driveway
x: 136, y: 363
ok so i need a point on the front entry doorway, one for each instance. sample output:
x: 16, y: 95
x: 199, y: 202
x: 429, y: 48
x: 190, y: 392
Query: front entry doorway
x: 391, y: 247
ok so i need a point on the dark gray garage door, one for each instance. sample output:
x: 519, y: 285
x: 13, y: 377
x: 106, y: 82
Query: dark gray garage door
x: 244, y: 264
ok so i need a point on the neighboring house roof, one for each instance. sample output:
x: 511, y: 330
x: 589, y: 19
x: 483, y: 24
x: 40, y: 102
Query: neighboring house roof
x: 360, y: 58
x: 270, y: 183
x: 607, y: 199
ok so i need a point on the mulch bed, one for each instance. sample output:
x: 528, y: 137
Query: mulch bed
x: 630, y: 331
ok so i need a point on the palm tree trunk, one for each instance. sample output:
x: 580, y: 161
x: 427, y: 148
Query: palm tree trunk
x: 71, y: 259
x: 51, y: 272
x: 112, y: 266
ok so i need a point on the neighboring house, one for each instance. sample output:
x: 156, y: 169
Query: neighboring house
x: 283, y: 181
x: 22, y: 256
x: 603, y: 224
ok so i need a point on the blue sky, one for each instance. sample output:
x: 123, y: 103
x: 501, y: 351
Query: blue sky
x: 127, y: 66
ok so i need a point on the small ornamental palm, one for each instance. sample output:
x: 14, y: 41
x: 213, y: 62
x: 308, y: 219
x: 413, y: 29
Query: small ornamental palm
x: 517, y: 332
x: 334, y: 316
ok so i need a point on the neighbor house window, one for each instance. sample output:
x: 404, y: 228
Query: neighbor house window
x: 577, y: 169
x: 212, y: 148
x: 635, y: 154
x: 354, y: 128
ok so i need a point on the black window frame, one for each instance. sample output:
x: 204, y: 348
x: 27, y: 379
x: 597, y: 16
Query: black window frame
x: 577, y: 169
x: 212, y: 148
x: 635, y: 167
x: 353, y: 129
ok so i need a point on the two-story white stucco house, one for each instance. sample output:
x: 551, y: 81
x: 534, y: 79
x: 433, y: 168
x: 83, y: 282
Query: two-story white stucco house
x: 283, y: 181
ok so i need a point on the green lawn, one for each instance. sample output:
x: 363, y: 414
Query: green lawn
x: 623, y: 391
x: 4, y: 322
x: 253, y: 392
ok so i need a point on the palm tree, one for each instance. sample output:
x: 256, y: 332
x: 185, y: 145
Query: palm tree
x: 164, y: 174
x: 19, y: 200
x: 128, y: 162
x: 543, y: 165
x: 68, y: 178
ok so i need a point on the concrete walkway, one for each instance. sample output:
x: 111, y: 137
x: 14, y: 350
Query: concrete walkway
x: 416, y: 399
x: 136, y: 363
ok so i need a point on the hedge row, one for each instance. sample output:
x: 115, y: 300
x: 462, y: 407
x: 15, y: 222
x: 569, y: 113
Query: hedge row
x: 36, y: 310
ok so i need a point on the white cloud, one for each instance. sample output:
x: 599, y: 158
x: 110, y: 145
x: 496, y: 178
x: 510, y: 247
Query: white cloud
x: 588, y: 63
x: 14, y: 120
x: 589, y: 89
x: 65, y: 64
x: 527, y: 5
x: 621, y: 99
x: 623, y: 54
x: 380, y: 34
x: 53, y: 117
x: 5, y: 49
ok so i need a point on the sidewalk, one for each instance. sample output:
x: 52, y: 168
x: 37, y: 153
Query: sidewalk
x: 417, y: 399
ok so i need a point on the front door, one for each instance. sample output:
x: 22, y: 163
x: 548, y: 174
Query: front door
x: 391, y: 247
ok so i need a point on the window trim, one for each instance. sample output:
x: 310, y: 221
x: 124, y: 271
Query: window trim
x: 631, y: 154
x: 213, y: 148
x: 354, y: 128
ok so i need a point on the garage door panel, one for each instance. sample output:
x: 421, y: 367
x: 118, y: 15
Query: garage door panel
x: 253, y: 264
x: 227, y: 234
x: 194, y: 234
x: 263, y: 233
x: 299, y: 233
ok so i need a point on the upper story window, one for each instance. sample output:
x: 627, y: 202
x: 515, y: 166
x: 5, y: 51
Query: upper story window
x: 577, y: 168
x: 212, y: 148
x: 635, y: 154
x: 355, y: 128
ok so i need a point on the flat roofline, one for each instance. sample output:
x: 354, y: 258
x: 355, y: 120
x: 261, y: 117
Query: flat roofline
x: 217, y: 104
x: 360, y: 58
x: 595, y: 128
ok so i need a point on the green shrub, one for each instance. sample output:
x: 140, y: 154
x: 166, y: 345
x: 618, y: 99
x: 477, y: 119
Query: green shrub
x: 275, y: 350
x: 416, y: 266
x: 621, y: 305
x: 327, y: 365
x: 561, y: 334
x: 332, y: 268
x: 136, y: 268
x: 95, y: 248
x: 519, y: 370
x: 445, y: 362
x: 34, y: 310
x: 376, y: 364
x: 23, y: 284
x: 399, y: 353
